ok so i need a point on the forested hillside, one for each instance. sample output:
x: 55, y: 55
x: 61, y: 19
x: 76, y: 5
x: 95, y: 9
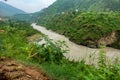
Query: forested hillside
x: 83, y: 5
x: 88, y: 29
x: 61, y: 6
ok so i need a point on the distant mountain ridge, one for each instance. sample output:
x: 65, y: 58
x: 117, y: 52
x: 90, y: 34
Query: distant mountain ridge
x: 83, y: 5
x: 8, y: 10
x: 61, y: 6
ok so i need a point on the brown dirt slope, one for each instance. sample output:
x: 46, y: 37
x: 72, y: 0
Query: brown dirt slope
x: 13, y: 70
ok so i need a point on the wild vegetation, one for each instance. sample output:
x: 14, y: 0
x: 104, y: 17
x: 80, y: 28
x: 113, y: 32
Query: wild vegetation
x: 82, y: 21
x: 50, y: 56
x: 86, y: 28
x: 62, y: 6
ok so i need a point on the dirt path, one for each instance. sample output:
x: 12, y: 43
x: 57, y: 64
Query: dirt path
x: 12, y: 70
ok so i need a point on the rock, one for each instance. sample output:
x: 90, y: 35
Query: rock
x: 107, y: 40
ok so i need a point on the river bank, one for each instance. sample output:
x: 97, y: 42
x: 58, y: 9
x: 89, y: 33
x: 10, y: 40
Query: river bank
x: 77, y: 52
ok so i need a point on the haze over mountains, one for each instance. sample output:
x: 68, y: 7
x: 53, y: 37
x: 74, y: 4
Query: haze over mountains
x: 8, y: 10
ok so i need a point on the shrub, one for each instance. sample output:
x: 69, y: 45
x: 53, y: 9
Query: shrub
x: 50, y: 51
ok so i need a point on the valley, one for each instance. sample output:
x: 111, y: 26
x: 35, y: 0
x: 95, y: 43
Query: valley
x: 66, y: 40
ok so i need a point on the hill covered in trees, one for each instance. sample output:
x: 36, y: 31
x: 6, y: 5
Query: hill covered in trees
x: 83, y: 5
x: 87, y: 28
x: 61, y: 6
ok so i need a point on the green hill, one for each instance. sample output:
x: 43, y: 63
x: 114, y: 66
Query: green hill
x: 61, y: 6
x: 8, y: 10
x: 83, y: 5
x: 86, y: 22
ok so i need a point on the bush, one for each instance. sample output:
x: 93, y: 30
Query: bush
x: 50, y: 51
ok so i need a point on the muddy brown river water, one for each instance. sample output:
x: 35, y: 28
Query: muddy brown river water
x: 78, y: 52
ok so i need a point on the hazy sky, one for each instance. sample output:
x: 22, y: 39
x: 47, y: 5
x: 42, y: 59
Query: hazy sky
x: 30, y: 5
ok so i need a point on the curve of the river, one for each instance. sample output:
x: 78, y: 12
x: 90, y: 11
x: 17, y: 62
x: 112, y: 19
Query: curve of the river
x: 77, y: 52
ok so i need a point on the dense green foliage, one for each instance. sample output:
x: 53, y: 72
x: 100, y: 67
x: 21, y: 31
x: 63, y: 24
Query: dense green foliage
x: 81, y: 71
x: 61, y: 6
x: 82, y: 27
x: 14, y: 36
x: 83, y: 5
x: 50, y: 51
x: 13, y: 42
x: 7, y: 10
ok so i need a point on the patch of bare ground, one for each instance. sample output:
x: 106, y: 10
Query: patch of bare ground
x: 34, y: 38
x: 13, y: 70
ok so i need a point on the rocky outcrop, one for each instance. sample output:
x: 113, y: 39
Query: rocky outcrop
x: 108, y: 39
x: 104, y: 41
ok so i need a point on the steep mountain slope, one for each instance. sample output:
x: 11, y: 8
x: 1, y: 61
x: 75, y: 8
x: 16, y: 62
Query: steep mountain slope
x: 61, y: 6
x: 7, y: 10
x: 83, y: 5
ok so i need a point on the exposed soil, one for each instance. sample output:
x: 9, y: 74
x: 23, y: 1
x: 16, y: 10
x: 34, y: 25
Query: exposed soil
x: 34, y: 38
x: 13, y: 70
x: 107, y: 40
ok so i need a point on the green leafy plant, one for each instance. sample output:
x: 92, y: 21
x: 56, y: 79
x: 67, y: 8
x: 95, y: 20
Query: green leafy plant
x: 50, y: 51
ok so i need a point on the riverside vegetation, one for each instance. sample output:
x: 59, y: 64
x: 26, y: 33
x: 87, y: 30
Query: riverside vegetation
x: 99, y: 18
x: 77, y: 25
x: 50, y: 56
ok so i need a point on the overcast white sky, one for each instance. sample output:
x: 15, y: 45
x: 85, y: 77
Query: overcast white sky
x: 30, y: 6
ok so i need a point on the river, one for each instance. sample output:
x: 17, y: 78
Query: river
x: 78, y: 52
